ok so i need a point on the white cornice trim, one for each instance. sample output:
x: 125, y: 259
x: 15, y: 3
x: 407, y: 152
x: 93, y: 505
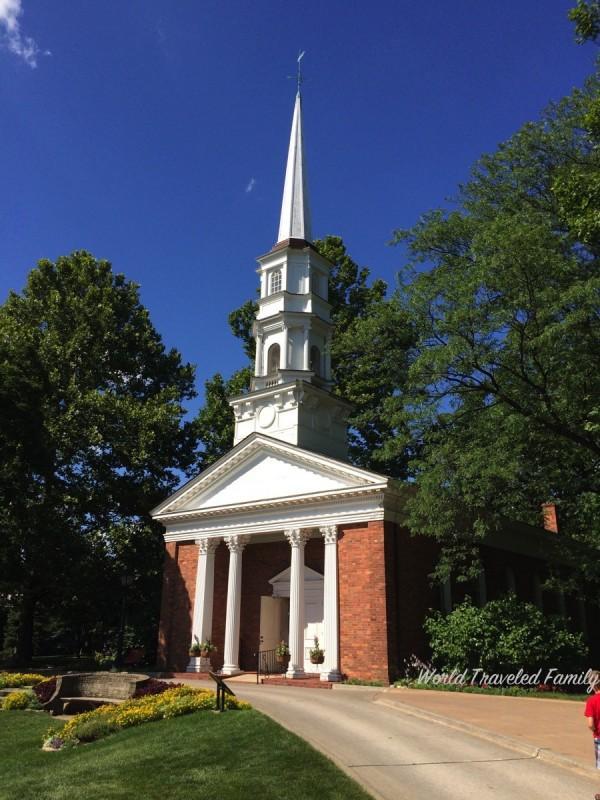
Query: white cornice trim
x: 268, y: 521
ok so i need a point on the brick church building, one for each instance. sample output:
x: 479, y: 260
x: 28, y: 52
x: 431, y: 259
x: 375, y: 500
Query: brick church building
x: 283, y: 538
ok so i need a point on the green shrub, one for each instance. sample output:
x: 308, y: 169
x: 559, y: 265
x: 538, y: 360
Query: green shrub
x: 17, y: 701
x: 503, y: 636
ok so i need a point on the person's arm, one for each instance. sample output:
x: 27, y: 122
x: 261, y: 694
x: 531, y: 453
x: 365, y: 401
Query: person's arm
x: 590, y: 723
x: 589, y: 715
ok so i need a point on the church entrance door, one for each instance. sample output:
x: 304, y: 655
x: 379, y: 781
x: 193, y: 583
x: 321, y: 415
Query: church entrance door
x: 313, y: 610
x: 274, y: 625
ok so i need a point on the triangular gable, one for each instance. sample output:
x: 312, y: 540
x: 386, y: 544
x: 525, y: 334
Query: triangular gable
x: 261, y: 468
x: 284, y: 576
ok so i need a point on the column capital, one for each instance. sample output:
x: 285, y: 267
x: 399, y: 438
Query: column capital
x: 207, y: 546
x: 236, y: 542
x: 297, y: 537
x: 329, y: 533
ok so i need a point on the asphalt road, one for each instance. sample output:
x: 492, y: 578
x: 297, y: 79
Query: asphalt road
x: 399, y: 757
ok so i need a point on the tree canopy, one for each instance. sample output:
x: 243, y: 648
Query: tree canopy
x: 586, y: 16
x: 503, y: 394
x: 93, y: 435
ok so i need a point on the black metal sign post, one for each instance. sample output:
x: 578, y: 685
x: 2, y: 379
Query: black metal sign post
x: 222, y: 690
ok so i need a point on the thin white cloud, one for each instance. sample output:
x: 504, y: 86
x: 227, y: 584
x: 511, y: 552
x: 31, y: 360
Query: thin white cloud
x: 251, y: 182
x: 11, y: 36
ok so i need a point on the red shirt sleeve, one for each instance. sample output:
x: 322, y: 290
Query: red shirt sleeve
x: 589, y: 712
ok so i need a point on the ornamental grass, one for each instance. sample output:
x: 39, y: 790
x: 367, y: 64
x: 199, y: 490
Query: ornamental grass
x: 10, y: 680
x: 105, y: 720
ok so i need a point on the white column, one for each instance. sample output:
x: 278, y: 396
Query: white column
x: 231, y: 653
x: 284, y: 348
x: 306, y: 358
x: 203, y: 600
x: 297, y: 539
x: 331, y: 666
x: 258, y: 361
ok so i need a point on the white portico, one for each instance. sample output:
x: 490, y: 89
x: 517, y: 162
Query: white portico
x: 263, y: 492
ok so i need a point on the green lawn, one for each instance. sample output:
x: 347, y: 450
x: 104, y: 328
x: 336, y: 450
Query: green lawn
x: 233, y: 756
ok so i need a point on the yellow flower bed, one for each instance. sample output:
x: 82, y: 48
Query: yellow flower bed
x: 17, y: 700
x: 168, y: 704
x: 17, y: 679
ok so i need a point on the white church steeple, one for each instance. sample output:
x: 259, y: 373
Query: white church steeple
x: 290, y: 395
x: 294, y: 222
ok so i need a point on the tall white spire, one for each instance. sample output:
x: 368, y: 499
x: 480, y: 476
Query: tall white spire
x: 295, y: 212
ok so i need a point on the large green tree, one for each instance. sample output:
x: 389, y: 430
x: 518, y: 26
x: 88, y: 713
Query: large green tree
x: 504, y: 393
x: 91, y: 436
x: 367, y: 324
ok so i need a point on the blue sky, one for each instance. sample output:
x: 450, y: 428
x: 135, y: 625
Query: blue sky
x: 155, y: 134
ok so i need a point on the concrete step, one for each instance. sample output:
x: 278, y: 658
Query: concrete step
x: 308, y: 683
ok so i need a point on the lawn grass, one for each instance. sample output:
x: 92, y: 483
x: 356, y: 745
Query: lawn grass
x: 233, y: 756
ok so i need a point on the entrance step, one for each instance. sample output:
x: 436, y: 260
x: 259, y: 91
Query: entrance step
x: 306, y: 683
x: 194, y: 676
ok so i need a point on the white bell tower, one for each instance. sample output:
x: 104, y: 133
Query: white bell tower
x: 290, y: 397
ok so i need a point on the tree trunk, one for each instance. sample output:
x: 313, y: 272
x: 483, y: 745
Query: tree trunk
x: 24, y: 649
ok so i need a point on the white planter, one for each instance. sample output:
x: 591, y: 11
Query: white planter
x: 199, y: 664
x: 195, y: 664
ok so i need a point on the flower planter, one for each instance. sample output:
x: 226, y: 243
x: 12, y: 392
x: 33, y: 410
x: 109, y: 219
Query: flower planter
x: 205, y: 653
x: 283, y: 659
x: 195, y: 664
x: 317, y: 659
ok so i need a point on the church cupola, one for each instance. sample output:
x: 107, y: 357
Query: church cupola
x: 293, y: 329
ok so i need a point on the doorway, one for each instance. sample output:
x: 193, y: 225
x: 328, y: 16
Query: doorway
x: 274, y: 621
x: 275, y: 612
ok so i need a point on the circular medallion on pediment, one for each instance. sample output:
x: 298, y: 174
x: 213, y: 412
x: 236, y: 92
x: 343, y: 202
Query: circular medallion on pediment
x: 266, y: 417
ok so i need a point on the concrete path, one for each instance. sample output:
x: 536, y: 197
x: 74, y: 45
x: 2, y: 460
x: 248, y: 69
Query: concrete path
x: 397, y: 756
x: 556, y: 726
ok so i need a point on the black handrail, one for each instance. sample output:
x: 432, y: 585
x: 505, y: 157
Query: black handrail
x: 267, y: 663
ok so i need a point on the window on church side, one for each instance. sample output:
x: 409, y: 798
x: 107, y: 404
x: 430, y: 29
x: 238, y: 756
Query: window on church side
x: 273, y: 360
x: 275, y: 282
x: 315, y: 360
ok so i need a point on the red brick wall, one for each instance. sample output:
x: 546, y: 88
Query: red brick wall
x: 367, y: 601
x: 179, y: 578
x: 415, y: 560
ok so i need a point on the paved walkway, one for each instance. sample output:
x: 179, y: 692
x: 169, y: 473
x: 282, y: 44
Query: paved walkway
x: 557, y: 726
x: 399, y: 756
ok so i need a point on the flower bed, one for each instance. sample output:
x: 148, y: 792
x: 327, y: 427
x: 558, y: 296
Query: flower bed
x: 154, y: 686
x: 105, y: 720
x: 45, y: 689
x: 19, y: 700
x: 14, y: 680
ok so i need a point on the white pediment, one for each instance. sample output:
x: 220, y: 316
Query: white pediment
x: 261, y: 469
x: 284, y: 576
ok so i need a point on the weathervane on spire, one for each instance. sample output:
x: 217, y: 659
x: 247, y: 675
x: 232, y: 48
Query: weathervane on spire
x: 299, y: 77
